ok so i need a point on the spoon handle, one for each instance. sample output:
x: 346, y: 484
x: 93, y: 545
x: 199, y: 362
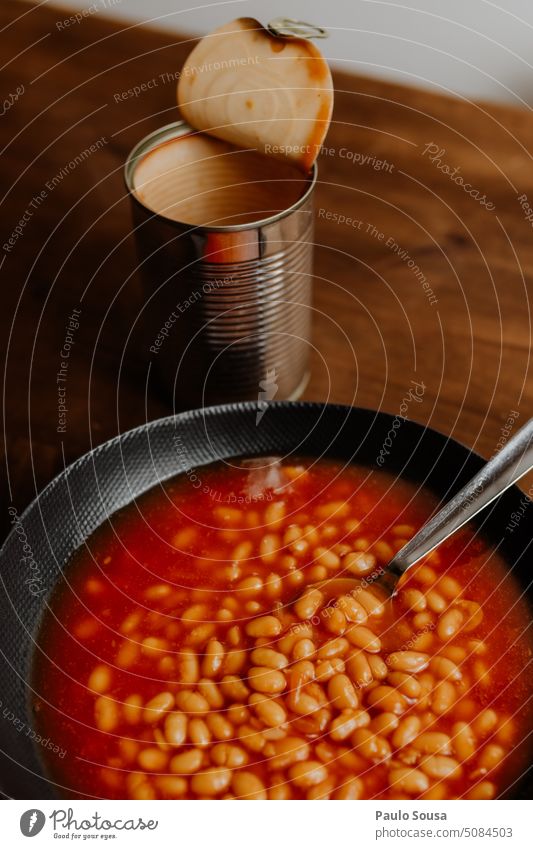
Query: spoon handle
x: 502, y: 470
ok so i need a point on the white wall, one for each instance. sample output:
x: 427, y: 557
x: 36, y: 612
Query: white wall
x: 475, y: 48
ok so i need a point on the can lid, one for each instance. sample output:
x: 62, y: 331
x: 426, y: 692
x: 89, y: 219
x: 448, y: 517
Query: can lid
x: 259, y: 90
x: 290, y: 28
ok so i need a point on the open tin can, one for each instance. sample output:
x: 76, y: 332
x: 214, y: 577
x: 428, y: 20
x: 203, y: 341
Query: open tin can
x: 226, y: 305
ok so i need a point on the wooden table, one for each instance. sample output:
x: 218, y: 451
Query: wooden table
x: 376, y: 326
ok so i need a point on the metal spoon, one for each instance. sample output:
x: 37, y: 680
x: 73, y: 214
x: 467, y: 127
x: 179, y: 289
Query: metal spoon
x: 505, y: 468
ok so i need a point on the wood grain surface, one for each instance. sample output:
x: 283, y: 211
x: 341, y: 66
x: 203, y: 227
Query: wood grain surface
x: 413, y: 229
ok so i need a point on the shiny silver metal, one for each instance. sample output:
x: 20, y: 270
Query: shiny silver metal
x: 510, y: 464
x: 289, y: 28
x: 241, y: 294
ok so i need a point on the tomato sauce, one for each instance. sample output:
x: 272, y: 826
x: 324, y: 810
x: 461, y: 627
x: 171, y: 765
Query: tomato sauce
x: 199, y: 541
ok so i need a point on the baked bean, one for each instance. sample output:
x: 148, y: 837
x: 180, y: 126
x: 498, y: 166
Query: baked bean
x: 186, y: 762
x: 481, y: 673
x: 275, y: 513
x: 353, y: 611
x: 350, y: 790
x: 454, y: 653
x: 214, y: 657
x: 359, y: 563
x: 332, y: 509
x: 269, y: 547
x: 483, y: 790
x: 199, y: 733
x: 472, y: 612
x: 264, y: 626
x: 176, y: 728
x: 444, y: 696
x: 307, y: 773
x: 106, y: 714
x: 127, y: 654
x: 268, y: 710
x: 219, y: 726
x: 212, y: 781
x: 405, y: 683
x: 346, y: 723
x: 308, y: 604
x: 295, y: 578
x: 423, y: 621
x: 333, y: 648
x: 414, y: 600
x: 288, y: 751
x: 211, y: 693
x: 378, y: 667
x: 341, y: 693
x: 226, y: 754
x: 303, y: 649
x: 195, y: 613
x: 100, y: 679
x: 321, y: 791
x: 387, y: 699
x: 384, y: 724
x: 234, y: 688
x: 334, y: 620
x: 266, y: 680
x: 132, y: 709
x: 449, y: 587
x: 279, y: 789
x: 326, y: 669
x: 410, y: 781
x: 403, y: 530
x: 238, y: 714
x: 302, y: 703
x: 326, y: 557
x: 363, y: 638
x: 435, y: 601
x: 506, y: 731
x: 234, y: 662
x: 144, y: 790
x: 251, y: 738
x: 449, y: 624
x: 463, y: 740
x: 268, y: 657
x: 358, y: 669
x: 408, y: 661
x: 171, y: 786
x: 191, y: 702
x: 433, y: 742
x: 406, y: 732
x: 247, y: 785
x: 441, y: 767
x: 242, y: 551
x: 490, y: 758
x: 157, y: 707
x: 425, y: 574
x: 383, y: 551
x: 371, y: 746
x: 371, y: 603
x: 152, y: 760
x: 316, y: 573
x: 249, y: 587
x: 443, y: 667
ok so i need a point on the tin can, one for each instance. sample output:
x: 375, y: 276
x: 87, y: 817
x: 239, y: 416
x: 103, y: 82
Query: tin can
x: 226, y: 309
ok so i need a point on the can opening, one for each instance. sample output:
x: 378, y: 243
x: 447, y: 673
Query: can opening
x: 201, y: 181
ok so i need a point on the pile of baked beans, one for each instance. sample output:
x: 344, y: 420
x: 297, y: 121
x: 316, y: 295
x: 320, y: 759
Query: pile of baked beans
x: 300, y: 679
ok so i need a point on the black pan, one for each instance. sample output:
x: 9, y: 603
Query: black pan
x: 80, y: 499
